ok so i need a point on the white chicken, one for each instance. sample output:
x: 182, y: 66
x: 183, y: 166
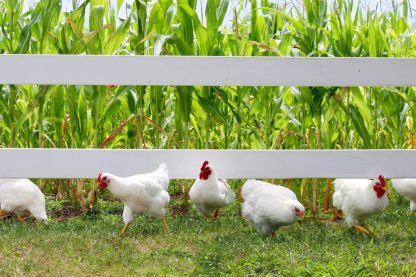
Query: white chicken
x: 358, y: 199
x: 208, y: 194
x: 141, y: 194
x: 20, y: 195
x: 407, y: 189
x: 269, y: 207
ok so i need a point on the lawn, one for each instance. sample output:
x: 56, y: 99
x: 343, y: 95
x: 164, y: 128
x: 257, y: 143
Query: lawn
x: 90, y: 245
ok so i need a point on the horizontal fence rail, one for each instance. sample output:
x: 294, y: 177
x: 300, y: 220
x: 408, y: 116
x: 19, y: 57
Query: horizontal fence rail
x: 230, y: 164
x: 206, y: 71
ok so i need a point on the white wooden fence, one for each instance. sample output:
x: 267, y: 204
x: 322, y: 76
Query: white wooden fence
x: 232, y: 71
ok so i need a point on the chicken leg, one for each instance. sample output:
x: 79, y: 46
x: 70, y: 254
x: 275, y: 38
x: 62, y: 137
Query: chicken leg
x: 126, y: 226
x: 165, y: 224
x: 360, y: 229
x: 273, y: 234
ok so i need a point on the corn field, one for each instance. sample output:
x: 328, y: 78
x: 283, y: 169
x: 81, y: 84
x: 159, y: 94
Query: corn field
x: 205, y: 117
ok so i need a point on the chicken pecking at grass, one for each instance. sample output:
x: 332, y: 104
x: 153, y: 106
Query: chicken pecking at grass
x: 141, y: 194
x: 358, y: 199
x: 269, y: 207
x: 20, y: 195
x: 407, y: 189
x: 208, y: 194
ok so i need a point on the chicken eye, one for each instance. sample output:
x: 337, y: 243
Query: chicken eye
x: 105, y: 178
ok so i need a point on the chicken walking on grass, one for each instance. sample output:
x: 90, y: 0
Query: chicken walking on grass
x: 20, y: 195
x: 268, y: 207
x: 358, y: 199
x: 208, y: 194
x: 141, y: 194
x: 407, y: 189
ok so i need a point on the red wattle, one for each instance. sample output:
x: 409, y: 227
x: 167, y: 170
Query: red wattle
x: 380, y: 192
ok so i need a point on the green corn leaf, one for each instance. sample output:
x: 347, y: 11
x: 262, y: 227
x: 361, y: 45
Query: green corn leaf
x: 210, y: 107
x: 117, y: 38
x: 359, y: 124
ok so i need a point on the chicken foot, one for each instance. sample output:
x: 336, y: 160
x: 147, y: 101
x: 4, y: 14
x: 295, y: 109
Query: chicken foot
x: 21, y: 218
x: 360, y: 229
x: 216, y: 214
x: 211, y: 218
x: 165, y: 224
x: 126, y: 226
x: 335, y: 214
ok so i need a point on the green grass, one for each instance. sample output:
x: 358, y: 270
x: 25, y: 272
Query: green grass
x: 90, y: 245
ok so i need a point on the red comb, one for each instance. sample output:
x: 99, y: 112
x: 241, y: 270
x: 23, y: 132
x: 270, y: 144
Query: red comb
x: 382, y: 181
x: 204, y: 165
x: 99, y: 177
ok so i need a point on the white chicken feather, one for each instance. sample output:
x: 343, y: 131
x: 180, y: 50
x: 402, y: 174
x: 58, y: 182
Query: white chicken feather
x: 208, y: 194
x: 269, y: 207
x: 141, y: 193
x: 20, y: 195
x: 358, y: 199
x: 407, y: 189
x: 251, y: 185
